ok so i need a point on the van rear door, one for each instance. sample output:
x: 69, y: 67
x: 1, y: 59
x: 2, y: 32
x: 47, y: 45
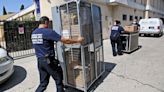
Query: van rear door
x: 144, y: 25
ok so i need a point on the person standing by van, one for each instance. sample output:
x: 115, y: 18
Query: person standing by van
x: 135, y: 23
x: 116, y: 39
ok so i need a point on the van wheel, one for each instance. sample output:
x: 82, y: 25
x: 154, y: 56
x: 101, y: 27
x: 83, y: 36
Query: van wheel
x: 159, y: 35
x: 142, y: 35
x: 149, y: 35
x: 162, y: 33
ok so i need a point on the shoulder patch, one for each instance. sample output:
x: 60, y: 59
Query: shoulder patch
x: 115, y: 28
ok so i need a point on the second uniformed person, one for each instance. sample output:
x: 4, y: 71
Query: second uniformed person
x: 43, y: 42
x: 116, y: 39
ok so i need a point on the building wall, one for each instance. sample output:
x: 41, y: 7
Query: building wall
x: 154, y: 3
x: 119, y: 11
x: 46, y: 6
x: 107, y: 20
x: 155, y: 15
x: 106, y: 13
x: 1, y: 33
x: 157, y: 4
x: 110, y: 12
x: 157, y: 8
x: 144, y: 2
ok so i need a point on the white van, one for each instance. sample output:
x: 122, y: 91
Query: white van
x: 151, y: 26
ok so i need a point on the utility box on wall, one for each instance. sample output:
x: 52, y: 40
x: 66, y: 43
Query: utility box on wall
x: 82, y: 63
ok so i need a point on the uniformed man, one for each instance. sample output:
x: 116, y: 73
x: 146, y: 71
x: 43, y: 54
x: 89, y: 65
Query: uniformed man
x: 43, y: 42
x: 116, y: 39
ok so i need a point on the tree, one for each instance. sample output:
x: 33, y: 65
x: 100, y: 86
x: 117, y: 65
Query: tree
x: 4, y: 11
x: 22, y: 7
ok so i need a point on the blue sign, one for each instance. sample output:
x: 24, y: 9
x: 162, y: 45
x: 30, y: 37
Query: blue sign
x: 38, y: 6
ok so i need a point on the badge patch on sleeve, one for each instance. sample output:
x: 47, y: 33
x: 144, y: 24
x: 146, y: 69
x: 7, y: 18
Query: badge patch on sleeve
x: 37, y: 38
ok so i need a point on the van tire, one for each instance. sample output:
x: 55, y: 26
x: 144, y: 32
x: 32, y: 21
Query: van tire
x: 141, y: 35
x: 160, y: 34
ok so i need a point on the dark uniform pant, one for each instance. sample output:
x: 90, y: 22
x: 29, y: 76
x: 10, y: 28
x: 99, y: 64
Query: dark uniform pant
x: 117, y: 43
x: 46, y: 70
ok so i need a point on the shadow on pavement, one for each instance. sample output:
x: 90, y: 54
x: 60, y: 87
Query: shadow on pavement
x: 139, y: 47
x: 108, y: 69
x: 152, y: 36
x: 18, y: 76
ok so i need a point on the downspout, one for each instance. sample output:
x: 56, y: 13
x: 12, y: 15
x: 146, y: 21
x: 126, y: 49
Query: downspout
x: 147, y: 9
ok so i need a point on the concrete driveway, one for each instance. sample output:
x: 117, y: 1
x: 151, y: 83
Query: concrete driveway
x: 140, y: 71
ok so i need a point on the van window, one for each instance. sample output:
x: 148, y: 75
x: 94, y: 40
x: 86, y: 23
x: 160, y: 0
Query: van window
x: 152, y: 22
x: 144, y: 23
x: 148, y: 22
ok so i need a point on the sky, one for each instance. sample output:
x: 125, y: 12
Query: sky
x: 14, y: 5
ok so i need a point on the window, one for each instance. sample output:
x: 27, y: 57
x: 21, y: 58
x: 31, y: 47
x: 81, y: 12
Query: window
x: 124, y: 17
x: 143, y: 2
x: 136, y: 17
x: 140, y: 17
x: 130, y: 18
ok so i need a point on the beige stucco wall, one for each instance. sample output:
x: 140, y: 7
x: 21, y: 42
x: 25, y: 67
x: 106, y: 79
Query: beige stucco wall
x: 150, y: 14
x: 109, y: 13
x: 106, y: 13
x: 118, y: 12
x: 107, y: 20
x: 158, y: 5
x: 1, y: 33
x: 155, y: 15
x: 46, y: 6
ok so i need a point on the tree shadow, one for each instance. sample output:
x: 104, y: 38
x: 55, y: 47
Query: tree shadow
x: 108, y: 69
x: 18, y: 76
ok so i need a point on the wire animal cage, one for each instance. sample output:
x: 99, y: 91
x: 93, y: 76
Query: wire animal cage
x: 82, y: 63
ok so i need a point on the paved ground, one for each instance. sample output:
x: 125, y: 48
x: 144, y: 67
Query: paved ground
x: 141, y: 71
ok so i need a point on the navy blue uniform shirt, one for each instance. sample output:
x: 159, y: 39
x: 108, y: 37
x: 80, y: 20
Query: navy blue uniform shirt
x: 43, y: 41
x: 116, y: 28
